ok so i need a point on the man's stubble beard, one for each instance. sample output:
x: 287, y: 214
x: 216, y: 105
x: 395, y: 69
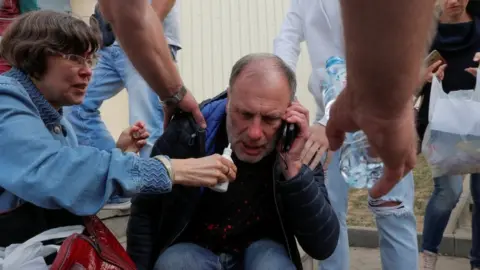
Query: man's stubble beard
x: 245, y: 158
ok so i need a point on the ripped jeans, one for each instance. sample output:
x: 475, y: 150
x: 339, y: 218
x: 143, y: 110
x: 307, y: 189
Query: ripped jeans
x: 394, y: 217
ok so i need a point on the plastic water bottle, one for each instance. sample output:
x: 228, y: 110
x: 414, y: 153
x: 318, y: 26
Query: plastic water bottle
x: 223, y: 187
x: 359, y: 169
x: 334, y: 83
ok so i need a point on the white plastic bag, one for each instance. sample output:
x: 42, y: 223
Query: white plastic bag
x: 451, y: 143
x: 30, y: 254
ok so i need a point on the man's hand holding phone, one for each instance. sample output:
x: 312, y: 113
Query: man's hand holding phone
x: 298, y: 115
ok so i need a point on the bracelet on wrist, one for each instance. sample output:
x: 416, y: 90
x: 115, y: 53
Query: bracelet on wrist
x: 168, y: 165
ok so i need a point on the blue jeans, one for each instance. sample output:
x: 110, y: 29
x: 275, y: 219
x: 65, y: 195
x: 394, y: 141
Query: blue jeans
x: 113, y: 73
x: 444, y: 198
x: 263, y: 254
x: 396, y: 224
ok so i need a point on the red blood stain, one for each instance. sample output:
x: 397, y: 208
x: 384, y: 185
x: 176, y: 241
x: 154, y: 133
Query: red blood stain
x: 210, y: 227
x: 229, y: 227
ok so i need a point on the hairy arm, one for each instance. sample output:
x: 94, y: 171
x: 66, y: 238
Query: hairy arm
x: 385, y: 44
x: 137, y: 27
x: 162, y: 7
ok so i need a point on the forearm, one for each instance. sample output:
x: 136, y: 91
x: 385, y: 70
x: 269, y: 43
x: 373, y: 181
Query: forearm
x: 162, y: 7
x: 385, y: 44
x: 141, y: 35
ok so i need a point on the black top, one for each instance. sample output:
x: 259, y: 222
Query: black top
x: 229, y: 222
x: 457, y: 43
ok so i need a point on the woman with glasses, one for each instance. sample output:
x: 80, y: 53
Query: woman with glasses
x: 46, y: 179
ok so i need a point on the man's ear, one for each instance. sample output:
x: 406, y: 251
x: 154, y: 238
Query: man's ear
x: 228, y: 98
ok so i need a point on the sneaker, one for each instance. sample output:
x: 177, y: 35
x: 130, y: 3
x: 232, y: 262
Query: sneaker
x: 118, y: 203
x: 429, y: 260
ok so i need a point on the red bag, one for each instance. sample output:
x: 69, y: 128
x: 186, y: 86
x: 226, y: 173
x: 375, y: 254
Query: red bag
x: 96, y: 249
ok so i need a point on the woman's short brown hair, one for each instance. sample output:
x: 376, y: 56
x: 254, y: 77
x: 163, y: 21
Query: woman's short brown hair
x: 35, y: 35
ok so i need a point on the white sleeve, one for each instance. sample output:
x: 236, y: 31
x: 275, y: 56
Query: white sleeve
x: 287, y: 44
x: 314, y: 86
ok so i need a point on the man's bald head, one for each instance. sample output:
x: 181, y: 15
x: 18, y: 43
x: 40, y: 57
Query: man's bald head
x: 263, y: 67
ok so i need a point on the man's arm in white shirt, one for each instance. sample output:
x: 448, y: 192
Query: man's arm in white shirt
x: 287, y: 44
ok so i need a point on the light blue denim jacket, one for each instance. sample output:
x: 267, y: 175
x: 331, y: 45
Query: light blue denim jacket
x: 42, y: 163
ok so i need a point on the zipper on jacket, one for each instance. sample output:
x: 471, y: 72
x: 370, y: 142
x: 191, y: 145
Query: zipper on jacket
x: 278, y: 212
x: 175, y: 238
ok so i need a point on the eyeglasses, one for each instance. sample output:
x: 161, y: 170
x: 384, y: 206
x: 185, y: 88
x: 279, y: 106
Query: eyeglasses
x: 89, y: 62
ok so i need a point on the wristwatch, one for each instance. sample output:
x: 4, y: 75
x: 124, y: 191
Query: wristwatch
x: 175, y: 99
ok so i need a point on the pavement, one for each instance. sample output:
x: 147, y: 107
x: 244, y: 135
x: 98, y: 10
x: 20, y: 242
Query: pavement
x: 369, y: 259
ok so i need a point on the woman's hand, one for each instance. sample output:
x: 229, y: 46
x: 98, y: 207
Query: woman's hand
x: 435, y: 69
x: 134, y: 138
x: 206, y: 171
x: 473, y: 70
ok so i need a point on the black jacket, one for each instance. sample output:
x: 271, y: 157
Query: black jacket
x: 157, y: 220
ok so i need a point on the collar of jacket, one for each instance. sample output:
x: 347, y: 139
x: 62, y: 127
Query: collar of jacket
x: 48, y: 114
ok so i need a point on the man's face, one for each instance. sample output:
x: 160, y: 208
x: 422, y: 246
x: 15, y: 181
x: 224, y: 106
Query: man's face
x: 256, y: 105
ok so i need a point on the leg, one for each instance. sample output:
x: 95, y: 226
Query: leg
x: 267, y: 255
x: 186, y: 256
x: 475, y: 191
x: 144, y: 104
x: 446, y: 193
x: 85, y: 118
x: 338, y: 193
x: 397, y: 226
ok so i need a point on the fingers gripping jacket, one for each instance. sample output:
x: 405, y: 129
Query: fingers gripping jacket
x: 223, y: 187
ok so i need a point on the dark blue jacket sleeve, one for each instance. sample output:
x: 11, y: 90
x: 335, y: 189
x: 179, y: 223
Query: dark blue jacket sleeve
x: 142, y: 230
x: 308, y: 212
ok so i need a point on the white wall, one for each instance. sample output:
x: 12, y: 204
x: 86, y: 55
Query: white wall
x: 214, y: 34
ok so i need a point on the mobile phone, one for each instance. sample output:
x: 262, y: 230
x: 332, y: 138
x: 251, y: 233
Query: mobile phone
x: 288, y: 134
x: 432, y: 58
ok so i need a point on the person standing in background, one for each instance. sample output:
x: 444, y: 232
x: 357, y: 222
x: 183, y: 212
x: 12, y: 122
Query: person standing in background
x: 458, y: 41
x: 318, y: 22
x: 113, y: 73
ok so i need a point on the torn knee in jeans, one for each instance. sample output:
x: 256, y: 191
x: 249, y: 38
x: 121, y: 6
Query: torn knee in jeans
x: 385, y: 207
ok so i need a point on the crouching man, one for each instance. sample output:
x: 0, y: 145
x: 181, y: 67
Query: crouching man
x: 274, y: 199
